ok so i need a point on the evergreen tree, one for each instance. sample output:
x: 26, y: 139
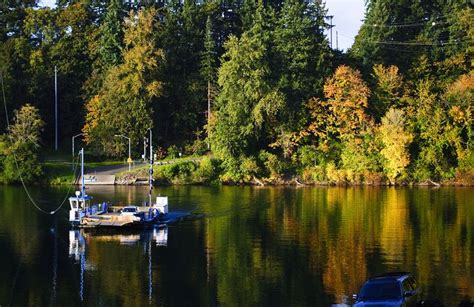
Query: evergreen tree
x: 402, y: 32
x: 367, y: 46
x: 247, y: 14
x: 249, y: 100
x: 182, y: 38
x: 111, y: 34
x: 303, y: 59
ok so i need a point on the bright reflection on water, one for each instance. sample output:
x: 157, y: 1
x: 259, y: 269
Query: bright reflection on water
x: 245, y: 246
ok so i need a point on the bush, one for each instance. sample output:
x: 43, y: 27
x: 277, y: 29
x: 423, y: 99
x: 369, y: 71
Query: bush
x: 315, y: 174
x: 273, y: 168
x: 197, y: 148
x: 239, y: 170
x: 160, y: 153
x: 308, y: 156
x: 176, y: 173
x: 334, y: 174
x: 173, y: 152
x: 208, y: 171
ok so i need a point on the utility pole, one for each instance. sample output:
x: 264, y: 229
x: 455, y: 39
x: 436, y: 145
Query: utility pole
x: 330, y: 26
x: 337, y: 41
x: 330, y: 17
x: 55, y: 108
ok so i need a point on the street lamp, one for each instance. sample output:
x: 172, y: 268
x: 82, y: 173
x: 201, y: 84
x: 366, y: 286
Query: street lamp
x: 73, y: 147
x: 129, y: 150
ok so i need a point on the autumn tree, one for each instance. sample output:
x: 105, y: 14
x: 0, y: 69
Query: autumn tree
x: 124, y: 103
x: 346, y: 102
x: 388, y: 90
x: 342, y: 114
x: 460, y: 124
x: 339, y: 123
x: 396, y: 139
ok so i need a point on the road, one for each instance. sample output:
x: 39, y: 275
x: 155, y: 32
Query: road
x: 111, y: 169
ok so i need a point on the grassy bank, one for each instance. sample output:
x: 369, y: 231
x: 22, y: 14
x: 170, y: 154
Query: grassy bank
x: 204, y: 171
x: 209, y: 171
x: 263, y: 170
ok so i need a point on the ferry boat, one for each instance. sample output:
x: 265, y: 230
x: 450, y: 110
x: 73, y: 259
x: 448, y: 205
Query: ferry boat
x: 84, y: 214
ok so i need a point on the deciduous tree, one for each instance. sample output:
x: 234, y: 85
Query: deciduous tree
x: 124, y: 104
x: 396, y: 139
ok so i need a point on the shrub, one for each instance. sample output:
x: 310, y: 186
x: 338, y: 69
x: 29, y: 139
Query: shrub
x: 208, y: 171
x: 308, y: 156
x: 273, y: 167
x: 197, y: 148
x: 176, y: 173
x: 239, y: 170
x: 173, y: 152
x: 315, y: 174
x: 334, y: 174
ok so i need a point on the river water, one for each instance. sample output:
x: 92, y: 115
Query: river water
x: 243, y: 246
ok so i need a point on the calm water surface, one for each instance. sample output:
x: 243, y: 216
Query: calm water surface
x: 246, y: 246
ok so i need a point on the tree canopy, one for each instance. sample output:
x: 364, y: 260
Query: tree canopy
x: 396, y: 107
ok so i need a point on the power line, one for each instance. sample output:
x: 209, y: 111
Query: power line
x: 407, y: 25
x: 418, y: 43
x: 436, y: 20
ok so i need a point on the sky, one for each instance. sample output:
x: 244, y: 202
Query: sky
x: 348, y: 15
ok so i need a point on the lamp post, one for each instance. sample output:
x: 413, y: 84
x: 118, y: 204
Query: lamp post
x: 73, y: 147
x: 129, y: 150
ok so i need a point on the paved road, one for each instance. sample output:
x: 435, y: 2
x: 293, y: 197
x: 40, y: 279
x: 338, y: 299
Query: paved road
x: 111, y: 169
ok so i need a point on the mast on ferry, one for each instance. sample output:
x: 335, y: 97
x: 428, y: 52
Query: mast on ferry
x: 150, y: 181
x: 83, y: 187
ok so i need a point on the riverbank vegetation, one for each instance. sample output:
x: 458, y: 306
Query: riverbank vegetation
x: 284, y: 107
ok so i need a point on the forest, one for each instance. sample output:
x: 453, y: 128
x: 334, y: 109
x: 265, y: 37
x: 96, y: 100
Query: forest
x: 252, y: 88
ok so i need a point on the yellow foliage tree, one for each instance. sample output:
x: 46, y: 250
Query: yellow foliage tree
x: 388, y: 90
x: 124, y: 103
x: 395, y: 139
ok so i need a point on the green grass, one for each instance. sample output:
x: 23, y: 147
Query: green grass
x: 58, y: 173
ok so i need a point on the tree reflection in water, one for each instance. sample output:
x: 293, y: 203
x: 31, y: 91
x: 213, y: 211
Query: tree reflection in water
x: 252, y: 246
